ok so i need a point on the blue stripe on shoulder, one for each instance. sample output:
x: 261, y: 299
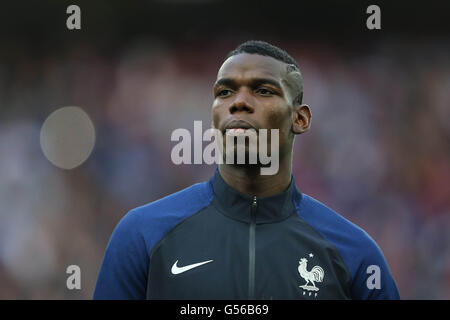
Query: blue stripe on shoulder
x: 345, y: 236
x: 157, y: 218
x: 123, y: 274
x: 356, y: 247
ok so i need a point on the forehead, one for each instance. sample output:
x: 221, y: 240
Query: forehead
x: 246, y: 66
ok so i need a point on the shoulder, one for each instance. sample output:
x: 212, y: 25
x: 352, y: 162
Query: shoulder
x: 331, y: 223
x: 153, y: 220
x: 188, y: 200
x: 353, y: 243
x: 359, y: 251
x: 127, y: 253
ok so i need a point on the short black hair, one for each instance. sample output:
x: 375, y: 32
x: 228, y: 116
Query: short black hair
x: 266, y: 49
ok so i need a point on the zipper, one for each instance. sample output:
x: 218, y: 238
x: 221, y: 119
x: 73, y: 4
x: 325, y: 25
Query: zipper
x: 251, y: 251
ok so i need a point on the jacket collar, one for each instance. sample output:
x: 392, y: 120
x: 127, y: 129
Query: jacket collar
x: 238, y: 206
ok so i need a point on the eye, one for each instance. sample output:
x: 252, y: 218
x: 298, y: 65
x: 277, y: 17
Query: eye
x: 265, y: 92
x: 223, y: 93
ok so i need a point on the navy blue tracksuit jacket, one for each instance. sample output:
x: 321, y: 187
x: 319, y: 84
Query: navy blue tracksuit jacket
x: 211, y: 242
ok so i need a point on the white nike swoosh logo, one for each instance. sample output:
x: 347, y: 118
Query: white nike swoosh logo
x: 177, y: 270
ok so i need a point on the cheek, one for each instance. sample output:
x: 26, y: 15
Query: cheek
x: 282, y: 121
x: 280, y: 118
x: 216, y: 115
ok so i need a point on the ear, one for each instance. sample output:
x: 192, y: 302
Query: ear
x: 301, y: 119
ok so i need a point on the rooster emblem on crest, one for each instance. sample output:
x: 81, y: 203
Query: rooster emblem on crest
x: 315, y: 275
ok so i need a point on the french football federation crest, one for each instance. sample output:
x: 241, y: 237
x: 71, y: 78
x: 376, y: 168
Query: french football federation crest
x: 316, y: 274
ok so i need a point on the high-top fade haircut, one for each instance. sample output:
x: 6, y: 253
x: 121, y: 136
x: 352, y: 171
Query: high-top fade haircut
x: 266, y: 49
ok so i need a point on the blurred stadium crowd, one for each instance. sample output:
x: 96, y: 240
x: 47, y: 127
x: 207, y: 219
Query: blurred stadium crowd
x: 378, y: 152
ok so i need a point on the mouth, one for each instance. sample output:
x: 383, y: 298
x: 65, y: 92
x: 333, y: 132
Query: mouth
x: 236, y: 127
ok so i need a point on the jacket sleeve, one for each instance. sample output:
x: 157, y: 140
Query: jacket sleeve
x: 123, y: 273
x: 373, y: 279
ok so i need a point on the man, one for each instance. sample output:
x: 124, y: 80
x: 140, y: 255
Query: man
x: 242, y: 234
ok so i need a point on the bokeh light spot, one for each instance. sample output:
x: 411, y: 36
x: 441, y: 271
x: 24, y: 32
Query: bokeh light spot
x: 67, y: 137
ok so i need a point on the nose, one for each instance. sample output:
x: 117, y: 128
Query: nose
x: 242, y: 102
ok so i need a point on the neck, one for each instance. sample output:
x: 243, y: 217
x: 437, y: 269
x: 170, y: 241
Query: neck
x: 248, y: 179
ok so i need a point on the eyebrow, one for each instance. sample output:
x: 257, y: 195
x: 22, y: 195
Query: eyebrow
x: 254, y: 82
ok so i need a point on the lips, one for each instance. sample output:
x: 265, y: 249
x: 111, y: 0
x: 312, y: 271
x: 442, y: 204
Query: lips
x: 238, y: 127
